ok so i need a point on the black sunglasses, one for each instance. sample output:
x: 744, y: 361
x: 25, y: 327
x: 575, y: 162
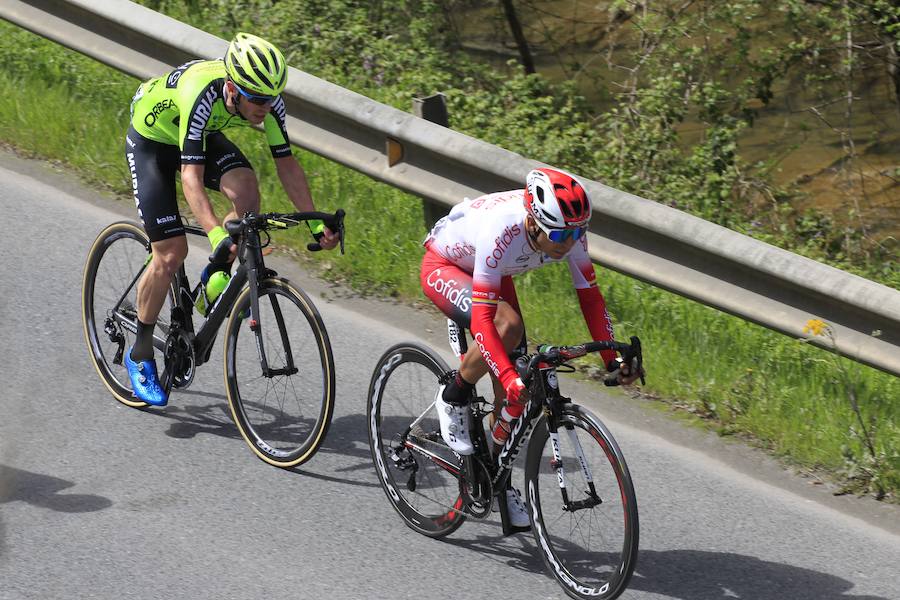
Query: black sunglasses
x: 260, y: 100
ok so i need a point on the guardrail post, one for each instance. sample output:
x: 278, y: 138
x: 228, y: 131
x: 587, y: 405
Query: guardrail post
x: 432, y: 108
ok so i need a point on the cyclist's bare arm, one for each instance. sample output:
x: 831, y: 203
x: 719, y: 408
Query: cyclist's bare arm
x: 293, y: 179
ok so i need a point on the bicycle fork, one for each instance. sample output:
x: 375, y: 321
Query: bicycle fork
x: 252, y: 270
x: 556, y: 464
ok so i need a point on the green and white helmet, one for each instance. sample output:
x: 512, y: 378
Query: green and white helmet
x: 255, y: 65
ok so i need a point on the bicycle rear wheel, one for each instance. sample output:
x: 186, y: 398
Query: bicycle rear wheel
x: 109, y: 304
x: 284, y: 413
x: 592, y: 549
x: 418, y: 471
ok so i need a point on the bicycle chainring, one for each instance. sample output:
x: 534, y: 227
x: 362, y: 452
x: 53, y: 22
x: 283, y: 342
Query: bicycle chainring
x: 475, y: 487
x: 179, y: 359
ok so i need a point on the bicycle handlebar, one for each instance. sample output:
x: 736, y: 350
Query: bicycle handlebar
x: 554, y: 356
x: 265, y: 221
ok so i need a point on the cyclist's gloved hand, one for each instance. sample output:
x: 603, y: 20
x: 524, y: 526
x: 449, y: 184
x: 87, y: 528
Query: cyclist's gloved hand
x: 218, y: 239
x: 622, y: 373
x: 514, y: 391
x: 324, y: 236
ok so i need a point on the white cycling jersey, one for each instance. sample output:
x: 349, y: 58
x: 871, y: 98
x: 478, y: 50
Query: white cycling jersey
x: 486, y: 237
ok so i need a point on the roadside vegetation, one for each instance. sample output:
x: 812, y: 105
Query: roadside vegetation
x: 820, y: 412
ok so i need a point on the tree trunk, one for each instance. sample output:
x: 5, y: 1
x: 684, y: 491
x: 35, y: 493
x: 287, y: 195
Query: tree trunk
x: 893, y: 70
x: 521, y: 42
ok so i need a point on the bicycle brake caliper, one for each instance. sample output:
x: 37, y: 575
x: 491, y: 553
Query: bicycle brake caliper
x: 590, y: 501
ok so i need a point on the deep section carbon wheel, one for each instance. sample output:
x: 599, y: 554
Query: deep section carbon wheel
x: 416, y: 468
x: 589, y: 537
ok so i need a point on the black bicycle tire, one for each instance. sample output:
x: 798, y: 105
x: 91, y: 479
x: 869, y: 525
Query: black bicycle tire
x: 408, y: 352
x: 575, y: 589
x: 317, y: 436
x: 101, y: 244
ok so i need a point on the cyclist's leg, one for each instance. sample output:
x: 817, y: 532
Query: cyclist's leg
x: 450, y: 289
x: 153, y: 167
x: 168, y: 256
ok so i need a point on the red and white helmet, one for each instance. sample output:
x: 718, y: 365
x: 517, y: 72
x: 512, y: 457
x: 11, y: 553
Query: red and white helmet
x: 556, y: 199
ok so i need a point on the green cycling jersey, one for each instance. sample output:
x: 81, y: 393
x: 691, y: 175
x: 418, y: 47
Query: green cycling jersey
x: 182, y: 106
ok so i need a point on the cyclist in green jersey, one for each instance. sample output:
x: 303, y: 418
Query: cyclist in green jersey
x: 176, y: 125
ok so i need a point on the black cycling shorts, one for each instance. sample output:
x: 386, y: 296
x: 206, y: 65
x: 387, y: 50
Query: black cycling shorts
x: 153, y: 166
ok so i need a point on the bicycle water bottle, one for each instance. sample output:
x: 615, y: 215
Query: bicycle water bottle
x: 211, y: 287
x: 502, y: 426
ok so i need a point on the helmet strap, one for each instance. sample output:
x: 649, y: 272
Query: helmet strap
x: 235, y: 101
x: 532, y: 230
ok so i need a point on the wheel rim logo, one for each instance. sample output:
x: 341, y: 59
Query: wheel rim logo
x: 376, y: 394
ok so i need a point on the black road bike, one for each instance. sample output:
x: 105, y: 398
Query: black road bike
x: 579, y: 492
x: 279, y: 371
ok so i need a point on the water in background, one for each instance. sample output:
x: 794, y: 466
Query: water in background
x: 812, y: 153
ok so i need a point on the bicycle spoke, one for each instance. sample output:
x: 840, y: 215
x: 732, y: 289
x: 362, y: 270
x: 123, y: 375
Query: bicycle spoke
x: 109, y: 299
x: 593, y: 543
x: 415, y: 466
x: 282, y: 412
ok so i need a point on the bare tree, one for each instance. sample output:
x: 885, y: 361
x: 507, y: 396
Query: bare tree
x: 516, y: 27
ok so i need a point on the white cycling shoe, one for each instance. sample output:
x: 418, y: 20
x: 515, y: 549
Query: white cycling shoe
x: 515, y: 507
x: 455, y: 424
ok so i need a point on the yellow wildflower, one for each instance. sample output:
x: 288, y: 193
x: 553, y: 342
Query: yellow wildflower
x: 816, y: 327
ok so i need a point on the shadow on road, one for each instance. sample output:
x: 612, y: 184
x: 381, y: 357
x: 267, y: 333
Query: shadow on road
x: 517, y: 551
x: 347, y: 438
x: 685, y: 574
x: 701, y: 575
x: 191, y: 420
x: 44, y: 491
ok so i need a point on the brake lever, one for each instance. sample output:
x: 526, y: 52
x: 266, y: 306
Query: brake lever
x: 638, y: 356
x: 336, y: 225
x: 339, y: 222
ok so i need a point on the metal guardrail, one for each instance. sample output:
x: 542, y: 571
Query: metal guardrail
x: 638, y: 237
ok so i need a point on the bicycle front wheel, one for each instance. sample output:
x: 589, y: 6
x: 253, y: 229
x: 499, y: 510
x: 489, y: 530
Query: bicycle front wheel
x: 589, y: 538
x: 416, y: 468
x: 109, y: 304
x: 283, y: 406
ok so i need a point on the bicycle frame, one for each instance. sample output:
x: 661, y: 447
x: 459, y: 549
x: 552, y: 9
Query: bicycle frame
x: 501, y: 465
x: 251, y: 265
x: 541, y: 401
x: 544, y: 398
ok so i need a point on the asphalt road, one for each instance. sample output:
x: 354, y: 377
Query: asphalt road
x: 98, y: 500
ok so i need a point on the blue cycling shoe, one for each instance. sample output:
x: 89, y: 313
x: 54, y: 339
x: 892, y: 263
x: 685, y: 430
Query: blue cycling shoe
x: 144, y: 381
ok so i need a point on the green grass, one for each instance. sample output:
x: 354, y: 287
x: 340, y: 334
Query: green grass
x: 740, y: 378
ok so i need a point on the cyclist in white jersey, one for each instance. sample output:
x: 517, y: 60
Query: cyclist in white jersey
x: 471, y: 256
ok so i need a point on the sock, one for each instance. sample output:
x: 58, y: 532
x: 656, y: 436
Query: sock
x: 143, y: 344
x: 458, y: 391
